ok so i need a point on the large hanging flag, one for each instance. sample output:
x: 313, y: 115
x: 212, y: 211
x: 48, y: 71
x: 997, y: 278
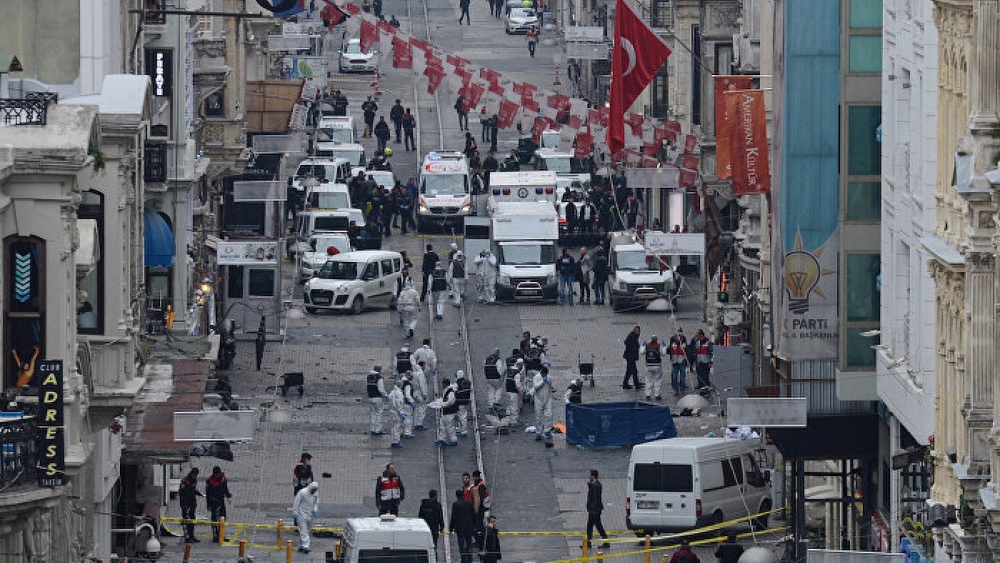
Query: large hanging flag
x: 637, y: 57
x: 369, y: 35
x: 723, y: 121
x: 751, y: 171
x: 401, y: 55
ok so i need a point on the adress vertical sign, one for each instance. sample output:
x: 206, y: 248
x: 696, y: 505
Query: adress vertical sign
x: 52, y: 462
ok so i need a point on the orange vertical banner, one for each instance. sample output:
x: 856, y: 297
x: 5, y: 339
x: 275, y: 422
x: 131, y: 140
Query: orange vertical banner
x: 751, y: 171
x: 723, y: 121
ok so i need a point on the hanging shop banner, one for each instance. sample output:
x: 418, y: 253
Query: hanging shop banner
x: 723, y: 120
x: 751, y: 172
x: 231, y: 253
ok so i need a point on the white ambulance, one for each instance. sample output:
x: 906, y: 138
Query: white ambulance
x: 445, y: 197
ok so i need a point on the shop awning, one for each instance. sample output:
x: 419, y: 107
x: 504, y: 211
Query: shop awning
x: 89, y: 251
x: 159, y: 243
x: 176, y: 385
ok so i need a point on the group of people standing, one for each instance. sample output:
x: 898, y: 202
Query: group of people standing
x: 407, y: 397
x: 698, y: 356
x: 585, y: 272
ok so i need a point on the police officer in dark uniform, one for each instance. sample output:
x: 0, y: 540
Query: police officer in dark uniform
x: 404, y: 362
x: 494, y: 369
x: 512, y: 385
x: 574, y: 393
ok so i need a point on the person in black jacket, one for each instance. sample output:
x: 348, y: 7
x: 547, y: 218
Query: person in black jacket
x: 396, y: 116
x: 432, y: 513
x: 427, y: 268
x: 382, y: 134
x: 463, y: 524
x: 600, y: 271
x: 491, y: 545
x: 216, y: 495
x: 595, y: 505
x: 631, y: 356
x: 188, y: 496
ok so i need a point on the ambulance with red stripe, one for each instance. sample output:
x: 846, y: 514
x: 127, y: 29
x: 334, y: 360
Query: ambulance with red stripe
x: 445, y: 194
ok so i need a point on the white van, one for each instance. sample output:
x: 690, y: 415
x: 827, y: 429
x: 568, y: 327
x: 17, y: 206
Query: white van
x: 385, y: 539
x: 678, y: 484
x: 352, y: 281
x: 318, y: 171
x: 444, y: 189
x: 308, y: 223
x: 328, y: 196
x: 336, y: 128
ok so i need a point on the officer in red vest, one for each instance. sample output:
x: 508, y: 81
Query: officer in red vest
x: 389, y: 491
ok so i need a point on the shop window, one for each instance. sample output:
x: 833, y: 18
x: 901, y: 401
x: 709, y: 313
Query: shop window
x: 261, y: 283
x: 865, y: 54
x: 24, y: 310
x: 158, y: 281
x: 90, y: 313
x: 859, y: 348
x: 863, y: 287
x: 234, y: 285
x: 864, y: 202
x: 660, y: 107
x: 864, y: 155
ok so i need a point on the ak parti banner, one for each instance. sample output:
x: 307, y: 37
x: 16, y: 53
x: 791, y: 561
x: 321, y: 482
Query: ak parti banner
x: 751, y: 171
x: 723, y: 121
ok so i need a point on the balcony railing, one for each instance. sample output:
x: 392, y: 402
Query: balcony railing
x: 33, y: 109
x: 19, y: 440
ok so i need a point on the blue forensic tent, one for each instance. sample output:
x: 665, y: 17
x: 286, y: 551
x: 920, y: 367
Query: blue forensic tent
x: 602, y: 425
x: 159, y: 241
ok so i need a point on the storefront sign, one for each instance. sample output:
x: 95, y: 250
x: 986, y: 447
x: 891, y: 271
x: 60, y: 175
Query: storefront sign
x: 247, y: 253
x: 52, y: 472
x: 160, y: 68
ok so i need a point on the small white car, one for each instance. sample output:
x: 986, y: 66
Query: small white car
x: 520, y: 20
x: 319, y: 252
x: 353, y: 59
x: 353, y: 281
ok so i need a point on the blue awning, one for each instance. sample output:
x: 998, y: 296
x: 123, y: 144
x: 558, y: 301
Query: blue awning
x: 159, y: 243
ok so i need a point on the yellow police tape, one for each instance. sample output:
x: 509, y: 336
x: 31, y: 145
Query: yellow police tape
x: 237, y: 530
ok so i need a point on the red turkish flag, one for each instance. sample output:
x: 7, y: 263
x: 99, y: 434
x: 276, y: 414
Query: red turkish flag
x: 434, y: 76
x: 528, y: 101
x: 401, y: 55
x: 690, y: 143
x: 507, y: 114
x: 637, y: 57
x: 497, y: 89
x: 635, y: 121
x: 369, y: 35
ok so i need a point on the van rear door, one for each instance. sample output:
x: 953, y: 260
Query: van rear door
x: 663, y: 495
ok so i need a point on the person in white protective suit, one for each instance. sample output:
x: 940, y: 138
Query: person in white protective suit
x: 410, y: 404
x: 513, y: 383
x: 457, y: 278
x: 427, y: 355
x: 494, y: 369
x: 397, y: 413
x: 408, y: 304
x: 421, y: 394
x: 304, y: 509
x: 449, y: 408
x: 375, y: 389
x: 486, y: 270
x: 541, y: 389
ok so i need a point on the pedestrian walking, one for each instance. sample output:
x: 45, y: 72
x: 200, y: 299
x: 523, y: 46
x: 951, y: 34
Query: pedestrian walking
x: 595, y: 506
x: 513, y: 385
x: 188, y: 494
x: 498, y: 8
x: 302, y: 475
x: 430, y: 261
x: 471, y: 146
x: 704, y: 357
x: 490, y: 165
x: 439, y: 290
x: 459, y: 280
x: 494, y: 369
x: 486, y: 272
x: 216, y: 495
x: 377, y: 8
x: 584, y: 267
x: 566, y: 267
x: 304, y: 509
x: 340, y: 103
x: 260, y: 341
x: 449, y: 408
x: 389, y: 491
x: 653, y: 353
x: 432, y: 513
x: 494, y: 129
x: 408, y: 304
x: 464, y: 6
x: 463, y: 524
x: 463, y: 396
x: 471, y: 494
x: 631, y: 356
x: 463, y: 113
x: 541, y: 390
x: 600, y: 271
x: 397, y: 413
x: 409, y: 126
x: 382, y: 134
x: 409, y: 403
x: 369, y: 108
x: 684, y: 553
x: 730, y: 550
x: 491, y: 543
x: 484, y: 122
x: 678, y: 366
x: 482, y: 507
x: 396, y: 114
x: 426, y: 355
x: 421, y: 394
x: 375, y: 387
x: 532, y: 41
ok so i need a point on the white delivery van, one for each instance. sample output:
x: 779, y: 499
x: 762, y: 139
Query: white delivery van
x: 635, y: 277
x: 522, y: 186
x: 444, y: 190
x: 308, y: 223
x: 387, y: 539
x: 679, y: 484
x: 328, y: 196
x: 319, y: 171
x: 353, y: 153
x: 524, y: 235
x: 336, y: 128
x: 317, y: 251
x: 352, y: 281
x: 568, y: 169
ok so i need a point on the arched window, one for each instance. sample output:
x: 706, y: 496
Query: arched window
x: 23, y: 309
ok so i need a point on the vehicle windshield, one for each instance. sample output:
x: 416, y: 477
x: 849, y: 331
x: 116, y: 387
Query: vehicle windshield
x: 318, y: 171
x: 558, y: 164
x: 531, y: 254
x: 353, y: 49
x: 355, y: 156
x: 335, y: 223
x: 522, y: 13
x: 340, y: 243
x: 335, y: 200
x: 633, y: 260
x: 334, y: 270
x: 340, y: 135
x: 445, y: 184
